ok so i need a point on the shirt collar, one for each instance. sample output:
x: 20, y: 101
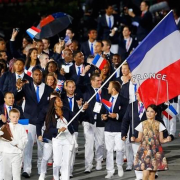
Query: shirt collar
x: 21, y: 75
x: 115, y: 96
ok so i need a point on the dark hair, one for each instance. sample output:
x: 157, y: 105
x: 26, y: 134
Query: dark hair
x: 116, y: 85
x: 55, y: 93
x: 146, y: 2
x: 20, y: 59
x: 107, y: 41
x: 7, y: 93
x: 4, y: 63
x: 98, y: 41
x: 94, y: 75
x: 28, y: 58
x: 70, y: 29
x: 153, y: 106
x: 127, y: 27
x: 47, y: 40
x: 92, y: 29
x: 47, y: 65
x: 28, y: 39
x: 76, y: 52
x: 1, y: 39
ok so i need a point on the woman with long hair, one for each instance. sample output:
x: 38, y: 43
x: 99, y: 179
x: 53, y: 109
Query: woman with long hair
x: 51, y: 80
x: 31, y: 61
x: 150, y: 155
x: 56, y: 122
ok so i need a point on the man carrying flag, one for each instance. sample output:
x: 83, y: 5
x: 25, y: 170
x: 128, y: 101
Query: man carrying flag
x: 113, y: 120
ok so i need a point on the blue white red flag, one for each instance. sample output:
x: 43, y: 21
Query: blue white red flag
x: 170, y: 112
x: 99, y: 61
x: 67, y: 41
x: 155, y: 63
x: 33, y: 31
x: 107, y: 104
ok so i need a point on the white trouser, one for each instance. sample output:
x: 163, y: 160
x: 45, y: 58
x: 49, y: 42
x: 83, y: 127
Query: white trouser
x: 135, y: 147
x: 27, y: 158
x: 129, y: 151
x: 74, y: 153
x: 47, y: 153
x: 12, y: 166
x: 1, y: 167
x: 114, y: 143
x: 93, y: 135
x: 62, y: 152
x: 171, y: 124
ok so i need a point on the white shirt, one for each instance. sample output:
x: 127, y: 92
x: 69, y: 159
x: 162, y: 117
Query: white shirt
x: 7, y: 107
x: 90, y: 44
x: 128, y: 43
x: 177, y: 20
x: 19, y: 76
x: 77, y: 69
x: 20, y: 136
x: 132, y: 93
x: 72, y: 102
x: 41, y: 89
x: 113, y: 104
x: 140, y: 127
x: 112, y: 20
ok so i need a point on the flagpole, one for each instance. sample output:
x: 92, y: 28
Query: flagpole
x: 168, y: 103
x: 93, y: 96
x: 132, y: 120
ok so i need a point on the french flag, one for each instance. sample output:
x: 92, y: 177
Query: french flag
x: 33, y: 31
x: 155, y: 63
x: 99, y: 61
x: 107, y: 104
x: 67, y: 41
x: 170, y: 112
x: 25, y: 123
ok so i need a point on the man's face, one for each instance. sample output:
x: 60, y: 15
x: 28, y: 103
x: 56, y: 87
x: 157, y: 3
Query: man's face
x: 109, y: 10
x: 70, y: 88
x: 97, y: 48
x: 105, y: 46
x: 110, y: 88
x: 40, y: 46
x: 96, y: 83
x: 44, y: 59
x: 125, y: 70
x: 68, y: 56
x: 126, y: 32
x: 9, y: 99
x: 116, y: 60
x: 79, y: 59
x: 45, y: 44
x: 24, y: 42
x: 52, y: 67
x: 143, y: 7
x: 14, y: 117
x: 73, y: 46
x: 92, y: 34
x: 4, y: 56
x: 2, y: 45
x: 37, y: 77
x: 69, y: 33
x: 19, y: 66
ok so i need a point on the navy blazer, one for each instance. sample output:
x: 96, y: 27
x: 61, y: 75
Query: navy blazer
x: 53, y: 131
x: 125, y: 90
x: 85, y: 49
x: 103, y: 29
x: 10, y: 82
x: 14, y: 106
x: 32, y: 107
x: 1, y: 98
x: 76, y: 121
x: 127, y: 119
x: 112, y: 124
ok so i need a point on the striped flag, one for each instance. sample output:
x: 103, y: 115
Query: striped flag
x: 170, y: 112
x: 99, y: 61
x: 33, y: 31
x: 25, y: 123
x: 107, y: 104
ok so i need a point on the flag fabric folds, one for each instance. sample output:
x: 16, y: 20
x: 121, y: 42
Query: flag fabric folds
x: 107, y: 104
x: 67, y: 41
x: 155, y: 63
x: 170, y: 112
x: 99, y: 61
x: 33, y: 31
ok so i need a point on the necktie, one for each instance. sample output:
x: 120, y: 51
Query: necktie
x: 135, y: 89
x: 79, y: 71
x: 141, y: 108
x: 109, y: 23
x: 92, y: 51
x: 70, y: 103
x: 97, y: 96
x: 37, y: 94
x: 111, y: 109
x: 9, y: 108
x: 8, y: 120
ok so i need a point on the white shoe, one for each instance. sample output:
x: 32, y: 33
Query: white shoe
x: 120, y: 171
x: 88, y: 169
x: 129, y: 168
x: 109, y: 175
x: 41, y: 177
x: 98, y: 165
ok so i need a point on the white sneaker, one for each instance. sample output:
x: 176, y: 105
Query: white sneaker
x: 120, y: 171
x: 88, y: 169
x: 41, y: 177
x: 98, y: 165
x: 129, y: 168
x: 109, y: 175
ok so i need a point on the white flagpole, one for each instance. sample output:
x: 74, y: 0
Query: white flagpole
x: 168, y: 104
x: 132, y: 119
x: 93, y: 96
